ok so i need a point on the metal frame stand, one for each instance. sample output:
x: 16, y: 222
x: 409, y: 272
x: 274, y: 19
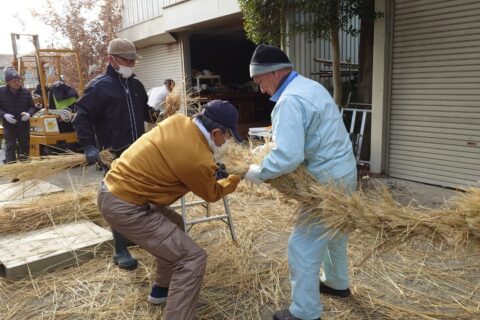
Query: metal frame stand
x: 226, y: 217
x: 357, y: 137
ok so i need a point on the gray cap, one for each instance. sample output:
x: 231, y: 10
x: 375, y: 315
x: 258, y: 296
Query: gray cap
x: 123, y: 48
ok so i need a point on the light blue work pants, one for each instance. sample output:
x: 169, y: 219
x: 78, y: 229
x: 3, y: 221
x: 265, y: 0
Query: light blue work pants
x: 308, y: 248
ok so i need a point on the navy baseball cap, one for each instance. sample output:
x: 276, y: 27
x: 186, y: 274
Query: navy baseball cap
x: 224, y: 113
x: 11, y: 74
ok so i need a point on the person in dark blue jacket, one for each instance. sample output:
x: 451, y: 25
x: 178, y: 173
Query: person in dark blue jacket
x: 112, y: 112
x: 16, y: 108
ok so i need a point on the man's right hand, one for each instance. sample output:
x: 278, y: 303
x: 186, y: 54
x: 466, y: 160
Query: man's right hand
x: 10, y: 118
x: 92, y: 154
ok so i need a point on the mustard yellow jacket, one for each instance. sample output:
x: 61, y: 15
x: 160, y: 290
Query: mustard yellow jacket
x: 166, y: 163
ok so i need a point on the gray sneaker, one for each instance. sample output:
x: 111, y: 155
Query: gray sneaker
x: 286, y: 315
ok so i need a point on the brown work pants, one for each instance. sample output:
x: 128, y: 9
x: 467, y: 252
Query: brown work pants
x: 159, y: 230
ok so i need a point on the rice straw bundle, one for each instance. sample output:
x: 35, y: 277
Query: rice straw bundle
x: 44, y: 167
x: 469, y: 203
x: 373, y: 211
x: 236, y: 158
x: 106, y: 157
x: 172, y: 103
x: 49, y: 210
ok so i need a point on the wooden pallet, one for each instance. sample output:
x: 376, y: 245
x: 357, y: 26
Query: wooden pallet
x: 47, y: 249
x: 17, y: 191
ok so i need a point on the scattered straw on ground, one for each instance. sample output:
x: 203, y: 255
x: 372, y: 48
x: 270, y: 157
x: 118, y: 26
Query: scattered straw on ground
x: 44, y: 167
x: 248, y: 280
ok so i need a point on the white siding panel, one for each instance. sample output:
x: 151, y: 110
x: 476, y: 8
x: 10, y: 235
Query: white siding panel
x: 302, y: 52
x: 159, y: 63
x: 138, y: 11
x: 434, y: 127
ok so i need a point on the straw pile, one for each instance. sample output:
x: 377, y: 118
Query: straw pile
x: 49, y: 210
x: 44, y: 167
x: 372, y: 211
x: 249, y: 279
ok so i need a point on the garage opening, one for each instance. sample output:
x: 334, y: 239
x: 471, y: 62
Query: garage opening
x: 220, y: 59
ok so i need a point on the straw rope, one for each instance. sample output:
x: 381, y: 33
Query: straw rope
x: 372, y: 211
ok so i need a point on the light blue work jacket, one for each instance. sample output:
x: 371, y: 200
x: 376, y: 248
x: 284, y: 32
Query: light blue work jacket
x: 307, y: 128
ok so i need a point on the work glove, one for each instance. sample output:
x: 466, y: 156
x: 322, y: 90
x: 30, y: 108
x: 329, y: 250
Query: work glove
x: 221, y: 172
x: 25, y: 116
x: 252, y: 174
x: 91, y: 154
x: 10, y: 118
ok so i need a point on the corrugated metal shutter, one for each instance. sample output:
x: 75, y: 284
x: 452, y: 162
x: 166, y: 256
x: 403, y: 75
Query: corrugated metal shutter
x: 159, y: 63
x: 302, y: 51
x: 434, y: 132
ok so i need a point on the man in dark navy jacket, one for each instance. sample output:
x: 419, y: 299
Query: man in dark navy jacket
x: 112, y: 111
x: 16, y: 108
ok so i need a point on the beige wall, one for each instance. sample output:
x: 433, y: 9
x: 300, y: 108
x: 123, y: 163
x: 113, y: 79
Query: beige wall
x: 177, y: 17
x: 379, y: 92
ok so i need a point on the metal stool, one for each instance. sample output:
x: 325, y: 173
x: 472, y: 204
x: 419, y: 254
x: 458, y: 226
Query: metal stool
x: 226, y: 217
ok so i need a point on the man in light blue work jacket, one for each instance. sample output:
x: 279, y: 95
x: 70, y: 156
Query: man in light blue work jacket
x: 307, y: 130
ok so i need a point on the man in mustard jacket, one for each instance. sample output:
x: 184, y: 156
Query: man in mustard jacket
x: 161, y: 166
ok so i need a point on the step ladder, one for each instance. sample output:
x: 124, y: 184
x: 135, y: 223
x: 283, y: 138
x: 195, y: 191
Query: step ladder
x: 357, y: 134
x: 225, y: 217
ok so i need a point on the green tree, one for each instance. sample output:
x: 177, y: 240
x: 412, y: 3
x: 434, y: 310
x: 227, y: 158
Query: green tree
x: 266, y: 21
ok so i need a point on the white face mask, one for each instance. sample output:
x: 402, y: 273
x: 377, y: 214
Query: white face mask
x: 126, y: 72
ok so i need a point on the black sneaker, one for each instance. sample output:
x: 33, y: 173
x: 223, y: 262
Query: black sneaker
x: 334, y: 292
x: 158, y: 295
x: 286, y: 315
x: 125, y: 261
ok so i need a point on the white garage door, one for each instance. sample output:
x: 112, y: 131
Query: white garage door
x: 434, y: 132
x: 159, y: 63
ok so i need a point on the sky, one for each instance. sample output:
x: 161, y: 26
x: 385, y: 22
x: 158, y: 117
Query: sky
x: 16, y: 18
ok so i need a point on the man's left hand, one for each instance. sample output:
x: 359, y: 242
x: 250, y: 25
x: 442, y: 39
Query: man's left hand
x: 25, y: 116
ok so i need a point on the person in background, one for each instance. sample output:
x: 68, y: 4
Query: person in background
x: 16, y: 108
x: 112, y: 111
x: 307, y: 129
x: 62, y: 96
x: 167, y: 162
x: 158, y: 95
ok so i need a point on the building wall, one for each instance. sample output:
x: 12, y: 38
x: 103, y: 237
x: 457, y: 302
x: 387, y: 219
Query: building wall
x: 381, y: 49
x: 175, y: 16
x: 159, y: 63
x: 302, y: 52
x: 434, y: 114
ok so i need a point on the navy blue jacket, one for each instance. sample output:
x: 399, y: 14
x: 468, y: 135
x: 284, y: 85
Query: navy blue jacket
x: 113, y: 109
x: 14, y: 103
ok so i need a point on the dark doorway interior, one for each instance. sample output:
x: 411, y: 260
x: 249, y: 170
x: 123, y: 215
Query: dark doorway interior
x: 220, y: 59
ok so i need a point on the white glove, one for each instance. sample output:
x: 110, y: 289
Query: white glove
x: 25, y: 116
x: 10, y: 118
x: 252, y: 174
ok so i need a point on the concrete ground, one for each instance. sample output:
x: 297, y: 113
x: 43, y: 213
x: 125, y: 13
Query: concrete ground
x: 415, y: 193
